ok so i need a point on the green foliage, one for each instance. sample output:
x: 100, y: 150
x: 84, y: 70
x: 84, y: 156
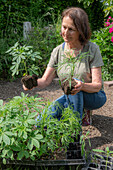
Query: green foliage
x: 107, y: 153
x: 22, y: 137
x: 45, y: 38
x: 83, y: 143
x: 108, y: 7
x: 23, y: 60
x: 95, y: 14
x: 41, y: 14
x: 93, y: 8
x: 103, y: 38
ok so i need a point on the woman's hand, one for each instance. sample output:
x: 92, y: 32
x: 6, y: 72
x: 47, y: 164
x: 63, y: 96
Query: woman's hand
x: 77, y: 87
x: 25, y: 88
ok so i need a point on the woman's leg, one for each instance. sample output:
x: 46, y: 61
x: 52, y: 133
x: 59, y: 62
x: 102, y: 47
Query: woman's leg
x: 76, y: 101
x: 86, y: 100
x: 57, y: 106
x: 94, y: 101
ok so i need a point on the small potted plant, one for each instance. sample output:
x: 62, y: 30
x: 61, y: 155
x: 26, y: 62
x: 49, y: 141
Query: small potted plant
x: 24, y: 61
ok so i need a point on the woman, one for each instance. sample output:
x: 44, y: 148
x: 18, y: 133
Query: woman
x: 88, y: 92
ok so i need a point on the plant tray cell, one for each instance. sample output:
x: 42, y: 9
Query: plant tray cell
x: 73, y: 154
x: 104, y: 167
x: 74, y: 146
x: 99, y: 162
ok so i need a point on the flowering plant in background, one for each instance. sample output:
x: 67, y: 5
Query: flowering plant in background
x: 109, y: 24
x: 104, y: 39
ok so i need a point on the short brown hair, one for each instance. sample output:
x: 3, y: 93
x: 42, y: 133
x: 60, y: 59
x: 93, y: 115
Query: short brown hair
x: 81, y: 22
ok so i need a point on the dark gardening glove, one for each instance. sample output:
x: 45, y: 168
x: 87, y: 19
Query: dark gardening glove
x: 30, y: 81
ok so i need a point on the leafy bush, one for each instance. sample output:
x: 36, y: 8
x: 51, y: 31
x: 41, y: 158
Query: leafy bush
x: 104, y: 38
x: 21, y: 139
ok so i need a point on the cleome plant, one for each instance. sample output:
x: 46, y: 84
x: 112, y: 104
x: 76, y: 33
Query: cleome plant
x: 24, y: 60
x: 22, y: 137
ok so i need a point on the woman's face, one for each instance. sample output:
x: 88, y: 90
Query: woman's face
x: 69, y: 31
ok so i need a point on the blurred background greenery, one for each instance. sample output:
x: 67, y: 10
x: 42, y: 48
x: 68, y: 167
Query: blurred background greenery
x: 46, y: 24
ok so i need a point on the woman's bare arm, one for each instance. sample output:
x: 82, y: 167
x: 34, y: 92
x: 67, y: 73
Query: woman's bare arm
x: 46, y: 78
x: 96, y: 84
x: 92, y: 87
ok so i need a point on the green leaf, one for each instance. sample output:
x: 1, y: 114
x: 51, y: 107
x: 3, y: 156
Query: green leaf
x: 10, y: 154
x: 0, y: 138
x: 20, y: 155
x: 20, y: 133
x: 31, y: 121
x: 98, y: 150
x: 30, y: 144
x: 6, y: 139
x: 32, y: 115
x: 1, y: 103
x: 4, y: 161
x: 4, y: 152
x: 26, y: 154
x: 107, y: 149
x: 9, y: 133
x: 25, y: 135
x: 15, y: 148
x: 39, y: 136
x: 36, y: 143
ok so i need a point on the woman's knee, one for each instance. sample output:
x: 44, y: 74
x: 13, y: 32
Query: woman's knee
x: 94, y: 101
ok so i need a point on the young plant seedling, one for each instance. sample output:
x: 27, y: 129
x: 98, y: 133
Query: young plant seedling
x: 23, y: 59
x: 70, y: 61
x: 107, y: 152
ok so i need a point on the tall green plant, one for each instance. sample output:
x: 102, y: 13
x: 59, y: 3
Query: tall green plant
x: 71, y: 62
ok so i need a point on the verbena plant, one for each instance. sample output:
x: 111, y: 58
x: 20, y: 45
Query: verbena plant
x: 21, y: 137
x: 23, y: 59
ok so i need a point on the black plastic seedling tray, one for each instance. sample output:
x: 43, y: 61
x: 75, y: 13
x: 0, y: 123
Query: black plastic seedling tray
x: 44, y: 164
x: 99, y: 162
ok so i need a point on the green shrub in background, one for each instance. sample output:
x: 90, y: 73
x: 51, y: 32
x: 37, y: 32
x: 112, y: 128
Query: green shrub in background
x: 40, y: 13
x: 44, y: 38
x: 104, y: 38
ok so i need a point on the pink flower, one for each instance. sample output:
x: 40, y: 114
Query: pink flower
x: 109, y: 17
x: 112, y: 39
x: 107, y: 24
x: 107, y: 20
x: 111, y: 30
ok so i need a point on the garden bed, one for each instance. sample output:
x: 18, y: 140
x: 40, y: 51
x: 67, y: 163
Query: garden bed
x: 101, y: 131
